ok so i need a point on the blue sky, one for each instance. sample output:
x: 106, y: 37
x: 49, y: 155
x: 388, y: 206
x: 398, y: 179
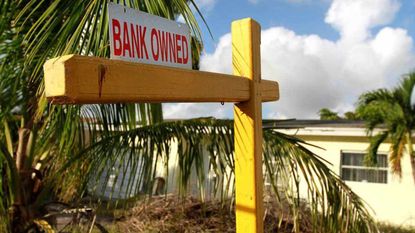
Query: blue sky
x: 323, y: 53
x: 302, y: 16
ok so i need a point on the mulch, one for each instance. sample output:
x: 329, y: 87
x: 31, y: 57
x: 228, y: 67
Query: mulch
x: 174, y: 214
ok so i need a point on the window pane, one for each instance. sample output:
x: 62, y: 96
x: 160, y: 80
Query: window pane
x: 347, y: 174
x: 346, y: 159
x: 382, y: 177
x: 372, y: 176
x: 382, y: 161
x: 358, y: 159
x: 356, y: 169
x: 353, y: 159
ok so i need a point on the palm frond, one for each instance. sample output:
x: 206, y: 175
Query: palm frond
x: 373, y: 107
x: 30, y: 33
x: 403, y: 94
x: 391, y: 111
x: 380, y: 95
x: 137, y: 156
x: 42, y: 29
x: 335, y: 207
x: 397, y: 149
x: 9, y: 185
x: 375, y: 142
x: 45, y: 30
x: 81, y: 26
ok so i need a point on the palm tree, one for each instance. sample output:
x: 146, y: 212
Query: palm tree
x: 327, y: 114
x: 391, y: 110
x: 54, y: 152
x: 36, y: 137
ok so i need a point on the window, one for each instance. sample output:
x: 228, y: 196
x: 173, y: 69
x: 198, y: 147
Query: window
x: 353, y: 168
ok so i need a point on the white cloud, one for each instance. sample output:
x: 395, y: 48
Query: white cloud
x: 218, y: 61
x: 314, y: 72
x: 181, y: 19
x: 354, y: 18
x: 393, y: 49
x: 205, y: 4
x: 194, y: 110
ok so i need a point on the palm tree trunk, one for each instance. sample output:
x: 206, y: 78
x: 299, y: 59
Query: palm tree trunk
x: 21, y: 152
x: 20, y: 213
x: 411, y: 153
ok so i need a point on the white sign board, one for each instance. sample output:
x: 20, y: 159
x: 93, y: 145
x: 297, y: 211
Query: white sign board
x: 136, y: 36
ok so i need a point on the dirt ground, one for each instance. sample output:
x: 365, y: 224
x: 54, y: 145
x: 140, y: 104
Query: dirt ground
x: 173, y: 214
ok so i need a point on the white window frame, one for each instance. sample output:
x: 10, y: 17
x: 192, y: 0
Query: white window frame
x: 363, y: 167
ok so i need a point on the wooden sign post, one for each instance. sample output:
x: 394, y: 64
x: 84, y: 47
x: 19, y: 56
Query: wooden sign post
x: 75, y: 79
x: 246, y: 61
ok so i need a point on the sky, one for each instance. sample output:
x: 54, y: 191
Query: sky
x: 323, y: 53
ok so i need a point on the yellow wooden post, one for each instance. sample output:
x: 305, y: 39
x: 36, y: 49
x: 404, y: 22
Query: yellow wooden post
x: 246, y: 62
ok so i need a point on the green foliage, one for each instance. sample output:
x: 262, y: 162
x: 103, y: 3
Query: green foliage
x: 68, y: 146
x: 286, y: 162
x: 335, y: 208
x: 390, y: 110
x: 351, y: 116
x: 327, y: 114
x: 30, y: 33
x: 389, y: 228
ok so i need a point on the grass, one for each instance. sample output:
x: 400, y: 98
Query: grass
x: 389, y: 228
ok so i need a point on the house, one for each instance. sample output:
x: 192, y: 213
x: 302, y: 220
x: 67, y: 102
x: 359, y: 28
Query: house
x: 345, y: 143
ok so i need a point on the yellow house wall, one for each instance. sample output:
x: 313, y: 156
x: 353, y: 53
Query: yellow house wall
x: 393, y: 202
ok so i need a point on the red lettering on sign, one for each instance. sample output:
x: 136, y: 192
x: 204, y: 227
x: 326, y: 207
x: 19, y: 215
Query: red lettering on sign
x: 143, y: 42
x: 185, y: 47
x: 129, y: 41
x: 163, y: 44
x: 156, y: 45
x: 116, y: 31
x: 126, y: 41
x: 172, y: 46
x: 178, y: 49
x: 135, y: 47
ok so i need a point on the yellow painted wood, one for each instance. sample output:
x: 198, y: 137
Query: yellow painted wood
x: 79, y: 79
x: 248, y: 128
x: 269, y: 91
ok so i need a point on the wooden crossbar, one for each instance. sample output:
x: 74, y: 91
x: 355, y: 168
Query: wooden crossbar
x: 75, y: 79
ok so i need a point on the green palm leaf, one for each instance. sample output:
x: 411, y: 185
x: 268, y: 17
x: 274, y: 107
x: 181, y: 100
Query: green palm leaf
x: 391, y: 111
x: 76, y: 144
x: 33, y: 31
x: 286, y: 160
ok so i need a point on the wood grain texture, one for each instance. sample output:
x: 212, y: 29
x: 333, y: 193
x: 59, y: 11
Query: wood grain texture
x: 246, y: 62
x: 75, y: 79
